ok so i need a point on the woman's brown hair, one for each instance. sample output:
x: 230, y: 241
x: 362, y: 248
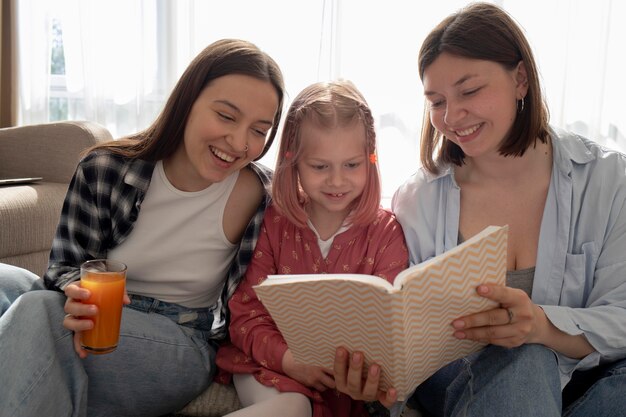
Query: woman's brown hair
x: 223, y: 57
x: 486, y: 32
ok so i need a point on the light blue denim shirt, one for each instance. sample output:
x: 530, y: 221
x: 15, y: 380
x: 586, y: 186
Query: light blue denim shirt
x: 580, y: 272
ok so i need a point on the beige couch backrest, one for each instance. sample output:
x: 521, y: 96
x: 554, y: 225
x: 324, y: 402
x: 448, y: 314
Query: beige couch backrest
x: 50, y: 150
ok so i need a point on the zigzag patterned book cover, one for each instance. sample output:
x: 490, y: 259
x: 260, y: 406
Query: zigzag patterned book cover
x: 404, y: 327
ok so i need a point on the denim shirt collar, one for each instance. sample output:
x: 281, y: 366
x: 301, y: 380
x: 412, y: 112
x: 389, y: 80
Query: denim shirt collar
x: 570, y: 149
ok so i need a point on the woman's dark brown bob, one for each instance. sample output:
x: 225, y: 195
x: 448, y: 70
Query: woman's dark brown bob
x: 486, y: 32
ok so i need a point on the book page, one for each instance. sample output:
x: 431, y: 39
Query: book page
x: 315, y: 316
x: 416, y: 270
x: 443, y: 292
x: 366, y: 279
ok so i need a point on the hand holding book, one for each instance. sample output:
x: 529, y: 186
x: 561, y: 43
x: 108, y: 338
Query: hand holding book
x: 404, y: 327
x: 359, y: 383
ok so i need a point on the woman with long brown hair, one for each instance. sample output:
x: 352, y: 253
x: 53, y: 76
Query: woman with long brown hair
x: 181, y: 205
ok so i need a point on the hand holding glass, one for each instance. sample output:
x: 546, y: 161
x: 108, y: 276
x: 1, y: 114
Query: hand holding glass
x: 106, y: 280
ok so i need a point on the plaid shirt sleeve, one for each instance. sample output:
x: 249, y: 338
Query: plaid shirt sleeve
x: 96, y: 213
x: 243, y: 257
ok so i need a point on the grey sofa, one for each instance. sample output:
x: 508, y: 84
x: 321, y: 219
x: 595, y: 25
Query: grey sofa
x: 29, y: 213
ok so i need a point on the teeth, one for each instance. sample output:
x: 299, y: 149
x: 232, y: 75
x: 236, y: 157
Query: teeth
x: 468, y: 131
x: 223, y: 156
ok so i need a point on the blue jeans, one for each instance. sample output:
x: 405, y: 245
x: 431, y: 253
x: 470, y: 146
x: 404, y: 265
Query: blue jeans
x: 158, y: 367
x: 597, y: 392
x: 15, y: 282
x: 523, y: 381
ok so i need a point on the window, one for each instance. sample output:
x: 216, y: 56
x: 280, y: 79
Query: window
x: 58, y: 90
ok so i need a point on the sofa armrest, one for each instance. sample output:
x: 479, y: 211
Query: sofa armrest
x: 50, y: 150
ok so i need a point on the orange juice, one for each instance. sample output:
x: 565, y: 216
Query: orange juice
x: 107, y: 292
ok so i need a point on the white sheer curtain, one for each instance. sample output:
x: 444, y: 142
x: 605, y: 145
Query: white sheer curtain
x: 110, y: 50
x: 579, y: 47
x: 122, y: 57
x: 111, y: 62
x: 33, y: 41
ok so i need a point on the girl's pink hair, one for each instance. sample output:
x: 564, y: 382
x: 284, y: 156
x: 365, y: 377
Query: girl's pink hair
x: 328, y: 105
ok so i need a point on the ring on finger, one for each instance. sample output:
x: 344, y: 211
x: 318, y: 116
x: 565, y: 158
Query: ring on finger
x: 69, y: 316
x: 510, y: 313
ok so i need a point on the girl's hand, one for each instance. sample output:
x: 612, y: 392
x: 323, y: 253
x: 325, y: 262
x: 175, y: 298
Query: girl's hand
x: 349, y: 379
x: 312, y: 376
x: 515, y: 322
x: 78, y: 313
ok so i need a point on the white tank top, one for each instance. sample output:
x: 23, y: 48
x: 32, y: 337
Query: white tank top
x: 177, y: 251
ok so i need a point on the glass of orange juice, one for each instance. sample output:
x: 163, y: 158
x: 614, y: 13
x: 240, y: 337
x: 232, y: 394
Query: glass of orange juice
x: 105, y: 279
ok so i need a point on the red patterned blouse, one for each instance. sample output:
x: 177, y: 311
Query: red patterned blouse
x: 256, y: 345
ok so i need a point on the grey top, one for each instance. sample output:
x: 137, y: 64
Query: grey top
x: 522, y: 279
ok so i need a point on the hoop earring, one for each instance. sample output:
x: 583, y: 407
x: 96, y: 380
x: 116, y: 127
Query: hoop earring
x: 520, y: 105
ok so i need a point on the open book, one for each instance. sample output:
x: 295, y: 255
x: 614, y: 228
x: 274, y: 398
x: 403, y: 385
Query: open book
x: 404, y: 327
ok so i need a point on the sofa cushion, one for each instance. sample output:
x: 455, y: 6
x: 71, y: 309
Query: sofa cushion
x: 29, y: 215
x: 49, y: 150
x: 215, y: 401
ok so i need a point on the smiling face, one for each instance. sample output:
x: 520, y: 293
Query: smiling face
x: 226, y: 129
x: 332, y: 169
x: 473, y: 102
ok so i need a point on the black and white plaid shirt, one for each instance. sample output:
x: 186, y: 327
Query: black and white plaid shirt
x: 100, y: 208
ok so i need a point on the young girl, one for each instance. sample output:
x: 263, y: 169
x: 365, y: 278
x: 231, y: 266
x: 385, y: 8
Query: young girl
x: 325, y: 218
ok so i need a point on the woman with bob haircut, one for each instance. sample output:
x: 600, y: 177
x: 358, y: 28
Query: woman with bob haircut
x: 556, y: 343
x: 325, y: 217
x: 155, y: 201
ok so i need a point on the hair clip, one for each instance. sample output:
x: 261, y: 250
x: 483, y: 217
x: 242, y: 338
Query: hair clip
x: 288, y: 154
x: 373, y: 158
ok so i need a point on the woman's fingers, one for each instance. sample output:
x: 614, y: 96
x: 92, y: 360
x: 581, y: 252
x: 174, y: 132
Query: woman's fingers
x: 514, y: 307
x: 76, y: 292
x: 494, y: 317
x: 487, y: 334
x: 508, y: 325
x: 82, y: 353
x: 76, y: 310
x: 78, y: 313
x: 75, y: 306
x: 77, y: 324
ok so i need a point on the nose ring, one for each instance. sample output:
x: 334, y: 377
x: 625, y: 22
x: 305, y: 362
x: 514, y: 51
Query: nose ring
x: 246, y: 148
